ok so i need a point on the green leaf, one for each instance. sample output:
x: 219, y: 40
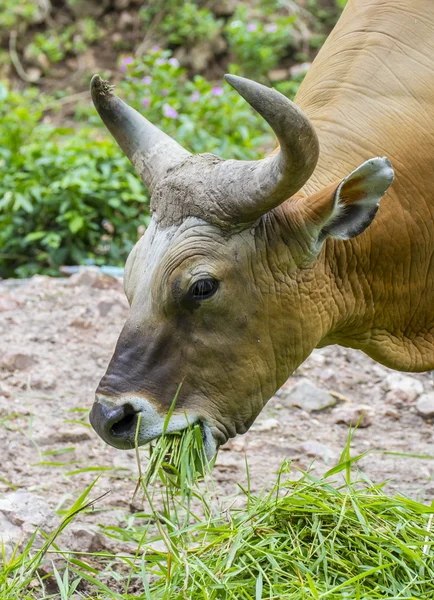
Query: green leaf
x: 76, y: 223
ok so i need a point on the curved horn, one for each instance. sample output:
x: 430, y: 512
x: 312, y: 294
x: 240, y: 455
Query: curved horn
x: 151, y: 151
x: 255, y: 187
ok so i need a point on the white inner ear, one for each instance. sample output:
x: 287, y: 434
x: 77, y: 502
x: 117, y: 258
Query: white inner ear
x: 357, y: 199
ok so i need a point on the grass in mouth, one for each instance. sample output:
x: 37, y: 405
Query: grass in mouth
x: 178, y: 459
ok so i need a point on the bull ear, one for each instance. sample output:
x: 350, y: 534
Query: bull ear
x: 348, y: 209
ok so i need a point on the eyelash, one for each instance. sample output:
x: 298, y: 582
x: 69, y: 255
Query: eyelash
x: 204, y: 289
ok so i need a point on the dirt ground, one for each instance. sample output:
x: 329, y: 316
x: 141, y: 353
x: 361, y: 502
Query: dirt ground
x: 56, y: 338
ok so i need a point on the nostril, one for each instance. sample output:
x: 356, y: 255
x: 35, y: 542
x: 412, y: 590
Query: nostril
x: 125, y: 425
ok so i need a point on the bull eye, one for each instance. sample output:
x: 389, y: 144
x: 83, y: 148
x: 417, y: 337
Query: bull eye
x: 204, y: 289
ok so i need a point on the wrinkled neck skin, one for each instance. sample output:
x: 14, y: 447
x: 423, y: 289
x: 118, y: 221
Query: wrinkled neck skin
x: 314, y: 302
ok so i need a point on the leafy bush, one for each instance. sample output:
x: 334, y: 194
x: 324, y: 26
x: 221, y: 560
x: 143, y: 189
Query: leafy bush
x: 259, y: 44
x: 14, y: 12
x: 191, y: 24
x: 55, y: 45
x: 65, y: 196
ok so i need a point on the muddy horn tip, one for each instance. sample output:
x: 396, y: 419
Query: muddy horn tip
x: 99, y: 86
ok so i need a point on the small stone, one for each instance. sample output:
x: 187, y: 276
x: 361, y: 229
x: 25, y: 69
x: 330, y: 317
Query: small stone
x: 4, y: 390
x: 17, y: 362
x: 93, y: 277
x: 116, y: 37
x: 72, y: 435
x: 350, y: 415
x: 20, y: 513
x: 81, y: 323
x: 425, y: 405
x: 278, y: 75
x: 267, y: 425
x: 34, y: 74
x: 237, y: 444
x: 392, y: 414
x: 44, y: 382
x: 299, y: 69
x: 328, y: 375
x: 8, y: 303
x: 308, y: 396
x: 82, y: 539
x: 397, y: 398
x: 314, y: 448
x: 104, y: 308
x: 410, y: 386
x: 126, y: 20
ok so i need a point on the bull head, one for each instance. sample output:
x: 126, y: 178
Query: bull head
x: 220, y: 285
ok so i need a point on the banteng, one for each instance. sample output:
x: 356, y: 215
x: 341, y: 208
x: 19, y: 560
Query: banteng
x: 247, y: 267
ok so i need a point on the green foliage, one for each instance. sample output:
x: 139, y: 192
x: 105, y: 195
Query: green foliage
x: 55, y: 45
x: 14, y: 12
x: 59, y: 191
x: 190, y: 24
x: 258, y: 44
x: 186, y: 23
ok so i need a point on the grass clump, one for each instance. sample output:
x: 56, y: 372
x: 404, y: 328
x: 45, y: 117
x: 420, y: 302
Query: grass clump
x: 306, y: 537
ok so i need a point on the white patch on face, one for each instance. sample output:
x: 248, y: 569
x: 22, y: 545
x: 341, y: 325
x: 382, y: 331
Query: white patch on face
x: 145, y: 258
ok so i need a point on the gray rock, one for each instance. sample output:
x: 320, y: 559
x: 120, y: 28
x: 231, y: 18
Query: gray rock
x: 266, y: 425
x: 17, y: 362
x: 8, y: 303
x: 350, y: 415
x: 314, y: 448
x: 308, y: 396
x: 104, y: 307
x: 81, y: 538
x: 93, y: 277
x: 404, y: 384
x: 20, y: 514
x: 278, y: 75
x: 425, y: 405
x: 43, y: 381
x: 392, y: 414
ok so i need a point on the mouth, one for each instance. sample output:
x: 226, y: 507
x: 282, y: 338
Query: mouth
x: 137, y: 419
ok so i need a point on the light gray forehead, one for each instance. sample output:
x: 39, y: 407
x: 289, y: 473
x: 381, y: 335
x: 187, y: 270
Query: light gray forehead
x: 157, y: 241
x: 150, y: 250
